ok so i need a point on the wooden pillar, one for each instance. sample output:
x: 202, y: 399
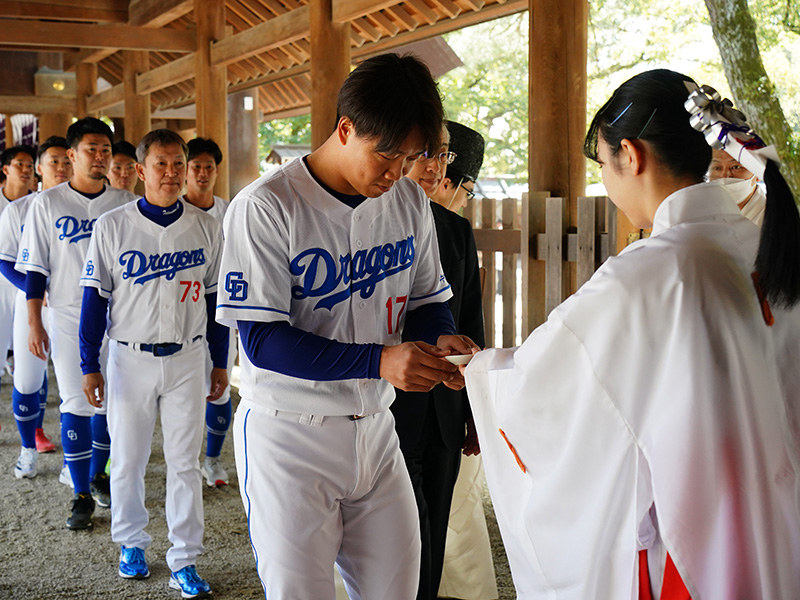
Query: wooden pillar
x: 211, y: 85
x: 85, y: 86
x: 242, y: 157
x: 557, y: 107
x: 330, y: 65
x: 53, y: 124
x: 137, y: 106
x: 558, y: 52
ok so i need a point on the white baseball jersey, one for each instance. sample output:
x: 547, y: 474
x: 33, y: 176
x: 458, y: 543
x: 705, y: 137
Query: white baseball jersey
x: 56, y: 235
x: 5, y: 242
x: 295, y: 253
x: 11, y: 224
x: 158, y: 276
x: 217, y: 211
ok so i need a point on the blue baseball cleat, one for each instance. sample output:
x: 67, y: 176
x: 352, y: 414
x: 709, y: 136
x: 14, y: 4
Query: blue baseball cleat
x: 132, y: 564
x: 189, y: 583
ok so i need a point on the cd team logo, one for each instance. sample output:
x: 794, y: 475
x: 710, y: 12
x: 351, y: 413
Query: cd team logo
x: 321, y: 274
x: 236, y: 286
x: 144, y: 268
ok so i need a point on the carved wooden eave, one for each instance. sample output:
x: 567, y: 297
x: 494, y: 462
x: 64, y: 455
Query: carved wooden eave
x: 266, y: 44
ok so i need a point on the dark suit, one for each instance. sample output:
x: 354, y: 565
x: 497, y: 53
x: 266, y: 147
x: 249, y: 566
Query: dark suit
x: 431, y: 426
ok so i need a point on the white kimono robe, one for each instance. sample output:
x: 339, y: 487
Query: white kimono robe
x: 657, y: 384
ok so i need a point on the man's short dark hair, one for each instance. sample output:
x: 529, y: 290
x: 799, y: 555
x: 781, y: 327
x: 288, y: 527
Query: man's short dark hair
x: 160, y: 137
x: 87, y: 126
x: 54, y: 141
x: 124, y: 148
x: 387, y: 97
x: 8, y: 155
x: 199, y: 146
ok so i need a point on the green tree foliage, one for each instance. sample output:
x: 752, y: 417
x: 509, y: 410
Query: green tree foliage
x: 490, y: 92
x: 295, y: 130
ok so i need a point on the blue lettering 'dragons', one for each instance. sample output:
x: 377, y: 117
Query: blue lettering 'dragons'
x: 144, y: 268
x: 321, y: 274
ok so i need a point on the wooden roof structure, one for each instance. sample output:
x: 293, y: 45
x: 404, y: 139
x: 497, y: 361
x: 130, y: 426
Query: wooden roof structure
x: 264, y: 44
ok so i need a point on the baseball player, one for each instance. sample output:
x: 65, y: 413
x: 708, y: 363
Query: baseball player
x: 29, y: 397
x: 326, y: 261
x: 201, y: 175
x: 122, y: 173
x: 153, y: 264
x: 18, y: 168
x: 52, y: 251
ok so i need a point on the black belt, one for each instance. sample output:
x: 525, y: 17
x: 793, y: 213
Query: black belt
x: 162, y: 349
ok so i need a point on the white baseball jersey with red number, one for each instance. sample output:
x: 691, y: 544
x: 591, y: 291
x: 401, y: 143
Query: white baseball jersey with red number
x: 295, y: 253
x: 158, y: 276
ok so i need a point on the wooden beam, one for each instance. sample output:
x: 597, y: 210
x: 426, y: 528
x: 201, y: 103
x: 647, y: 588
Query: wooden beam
x: 107, y: 98
x: 35, y: 105
x: 157, y: 13
x: 288, y: 27
x: 349, y: 10
x: 83, y: 35
x: 449, y: 8
x: 73, y: 59
x: 329, y: 68
x: 424, y: 11
x: 102, y: 11
x: 166, y: 75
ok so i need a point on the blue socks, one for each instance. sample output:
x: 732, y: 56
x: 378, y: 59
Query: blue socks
x: 218, y: 419
x: 76, y: 438
x: 101, y: 444
x: 26, y: 412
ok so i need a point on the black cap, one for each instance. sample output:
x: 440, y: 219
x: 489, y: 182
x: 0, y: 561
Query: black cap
x: 468, y: 146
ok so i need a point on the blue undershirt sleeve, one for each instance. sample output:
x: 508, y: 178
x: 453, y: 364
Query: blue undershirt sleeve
x: 91, y: 329
x: 217, y: 335
x: 427, y: 322
x: 14, y: 276
x: 277, y: 346
x: 35, y: 285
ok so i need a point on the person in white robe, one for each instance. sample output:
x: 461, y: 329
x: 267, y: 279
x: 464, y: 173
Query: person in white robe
x: 657, y: 408
x: 740, y: 183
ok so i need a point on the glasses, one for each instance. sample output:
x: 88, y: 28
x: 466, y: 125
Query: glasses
x: 470, y: 193
x: 445, y: 158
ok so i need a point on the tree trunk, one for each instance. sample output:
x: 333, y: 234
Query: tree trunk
x: 735, y: 34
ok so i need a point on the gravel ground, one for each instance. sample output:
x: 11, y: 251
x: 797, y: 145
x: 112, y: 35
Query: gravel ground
x: 42, y: 560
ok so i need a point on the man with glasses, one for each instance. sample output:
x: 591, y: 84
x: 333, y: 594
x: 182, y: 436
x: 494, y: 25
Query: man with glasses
x: 432, y: 425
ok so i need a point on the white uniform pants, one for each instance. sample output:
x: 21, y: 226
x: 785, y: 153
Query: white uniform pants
x: 140, y: 387
x: 28, y: 370
x: 323, y: 490
x: 66, y: 354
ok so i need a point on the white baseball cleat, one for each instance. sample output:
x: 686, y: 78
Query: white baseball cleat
x: 26, y: 464
x: 213, y: 472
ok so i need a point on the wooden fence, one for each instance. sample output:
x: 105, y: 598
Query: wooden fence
x: 533, y: 260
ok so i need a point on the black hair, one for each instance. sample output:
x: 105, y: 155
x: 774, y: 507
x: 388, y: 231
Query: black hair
x: 125, y: 148
x: 161, y: 137
x: 199, y: 146
x: 387, y: 97
x: 8, y: 155
x: 650, y: 107
x: 54, y: 141
x: 87, y: 126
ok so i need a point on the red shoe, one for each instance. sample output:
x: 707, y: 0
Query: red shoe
x: 43, y: 443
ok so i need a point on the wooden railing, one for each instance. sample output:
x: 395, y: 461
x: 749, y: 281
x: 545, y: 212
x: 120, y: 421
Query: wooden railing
x: 541, y: 260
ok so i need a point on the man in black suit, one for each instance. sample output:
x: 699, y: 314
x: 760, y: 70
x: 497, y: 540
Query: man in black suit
x: 435, y: 427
